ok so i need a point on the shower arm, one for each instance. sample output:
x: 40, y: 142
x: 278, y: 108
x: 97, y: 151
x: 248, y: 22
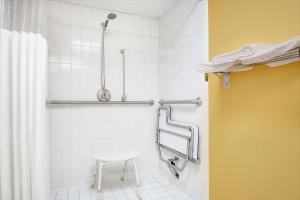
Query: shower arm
x: 124, y: 97
x: 102, y: 58
x: 104, y: 25
x: 104, y: 94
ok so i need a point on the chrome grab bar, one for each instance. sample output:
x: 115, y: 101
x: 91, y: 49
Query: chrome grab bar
x: 86, y: 103
x: 190, y: 139
x: 196, y: 101
x: 124, y: 96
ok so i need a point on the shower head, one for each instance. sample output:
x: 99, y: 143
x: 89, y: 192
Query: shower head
x: 110, y: 16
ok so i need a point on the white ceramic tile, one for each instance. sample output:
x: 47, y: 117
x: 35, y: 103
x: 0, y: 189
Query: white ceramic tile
x: 159, y: 64
x: 183, y: 45
x: 153, y: 187
x: 74, y: 73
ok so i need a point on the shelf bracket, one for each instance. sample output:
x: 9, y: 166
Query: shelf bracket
x: 225, y: 76
x: 226, y: 79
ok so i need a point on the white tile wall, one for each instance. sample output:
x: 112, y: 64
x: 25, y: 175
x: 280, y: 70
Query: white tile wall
x: 183, y: 41
x: 160, y: 63
x: 74, y: 73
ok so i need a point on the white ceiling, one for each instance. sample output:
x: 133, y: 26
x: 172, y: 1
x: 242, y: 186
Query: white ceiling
x: 146, y: 8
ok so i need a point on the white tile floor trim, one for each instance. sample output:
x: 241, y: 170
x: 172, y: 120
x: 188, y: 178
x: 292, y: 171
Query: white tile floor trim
x: 153, y: 187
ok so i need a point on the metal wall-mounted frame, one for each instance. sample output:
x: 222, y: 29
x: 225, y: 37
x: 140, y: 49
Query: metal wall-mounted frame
x: 189, y: 139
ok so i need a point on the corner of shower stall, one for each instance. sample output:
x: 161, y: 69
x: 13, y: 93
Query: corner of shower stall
x: 183, y: 44
x: 77, y: 133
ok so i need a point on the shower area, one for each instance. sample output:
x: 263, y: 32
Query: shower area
x: 108, y: 66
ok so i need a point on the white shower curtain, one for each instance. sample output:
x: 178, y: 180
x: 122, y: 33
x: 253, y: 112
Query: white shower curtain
x: 23, y: 15
x: 23, y: 134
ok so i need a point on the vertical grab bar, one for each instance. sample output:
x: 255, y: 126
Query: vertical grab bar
x: 124, y: 97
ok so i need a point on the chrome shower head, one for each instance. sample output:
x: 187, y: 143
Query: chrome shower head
x: 111, y: 16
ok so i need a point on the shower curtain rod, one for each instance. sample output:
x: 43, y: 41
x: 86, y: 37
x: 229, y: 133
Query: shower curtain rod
x: 82, y: 103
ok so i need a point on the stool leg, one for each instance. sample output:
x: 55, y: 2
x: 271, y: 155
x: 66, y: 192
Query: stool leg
x: 137, y: 180
x: 124, y: 171
x: 100, y: 164
x: 136, y: 173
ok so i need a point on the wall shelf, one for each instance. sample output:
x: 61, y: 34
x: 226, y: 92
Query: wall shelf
x: 238, y: 66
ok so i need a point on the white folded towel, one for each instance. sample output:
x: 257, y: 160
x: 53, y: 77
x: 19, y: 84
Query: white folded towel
x: 244, y: 52
x: 253, y: 53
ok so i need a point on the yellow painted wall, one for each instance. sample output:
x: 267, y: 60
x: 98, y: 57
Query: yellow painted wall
x: 254, y: 125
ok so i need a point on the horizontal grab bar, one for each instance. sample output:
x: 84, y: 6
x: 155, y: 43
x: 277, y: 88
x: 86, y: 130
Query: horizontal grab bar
x: 79, y: 103
x: 196, y: 101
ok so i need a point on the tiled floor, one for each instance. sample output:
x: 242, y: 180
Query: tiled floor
x: 153, y: 187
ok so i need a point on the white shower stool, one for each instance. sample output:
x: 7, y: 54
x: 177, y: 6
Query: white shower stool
x: 123, y: 156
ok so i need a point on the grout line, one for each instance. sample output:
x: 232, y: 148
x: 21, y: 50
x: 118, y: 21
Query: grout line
x: 151, y: 187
